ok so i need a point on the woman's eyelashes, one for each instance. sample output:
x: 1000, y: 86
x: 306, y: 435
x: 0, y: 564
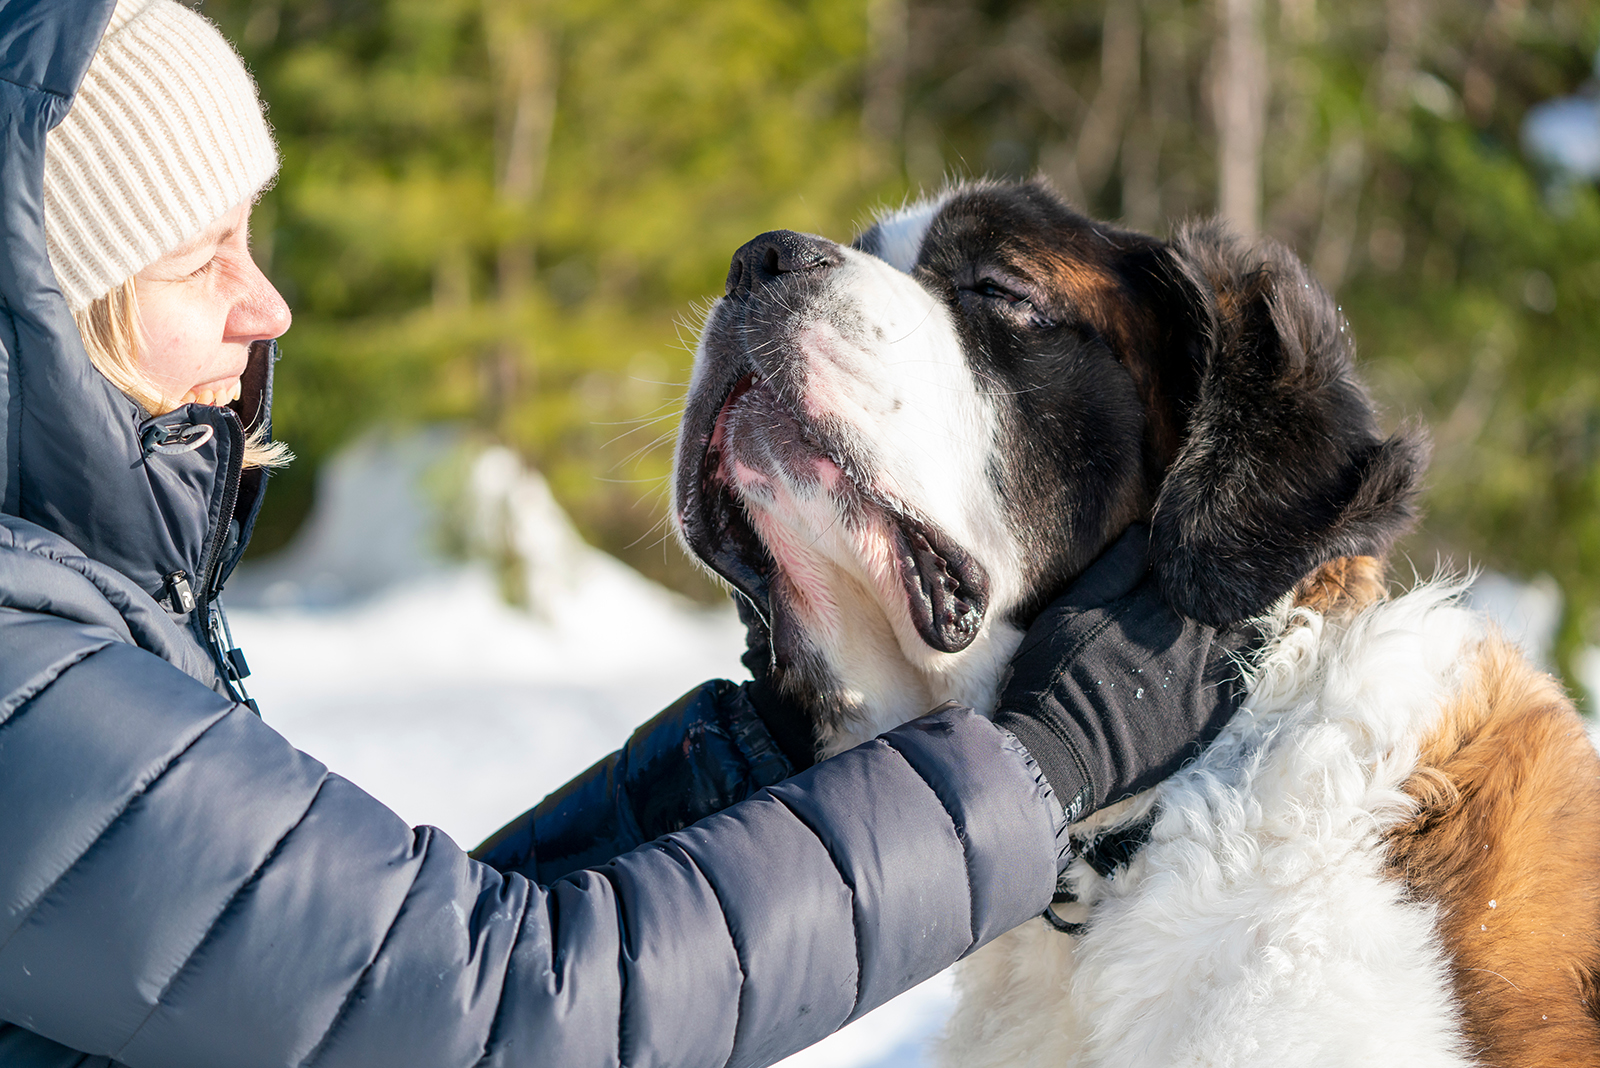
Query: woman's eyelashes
x: 232, y: 247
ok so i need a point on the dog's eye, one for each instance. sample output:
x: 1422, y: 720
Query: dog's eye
x: 1013, y: 302
x: 992, y: 290
x: 987, y: 288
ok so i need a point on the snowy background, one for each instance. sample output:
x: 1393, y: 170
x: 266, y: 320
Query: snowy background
x: 403, y: 667
x: 408, y: 673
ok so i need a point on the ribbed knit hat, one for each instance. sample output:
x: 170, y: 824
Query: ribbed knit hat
x: 165, y: 136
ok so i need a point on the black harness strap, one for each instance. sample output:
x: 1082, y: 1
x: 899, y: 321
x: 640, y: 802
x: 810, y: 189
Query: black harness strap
x: 1106, y: 854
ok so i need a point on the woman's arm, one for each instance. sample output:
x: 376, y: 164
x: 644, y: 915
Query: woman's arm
x: 182, y: 887
x: 704, y: 752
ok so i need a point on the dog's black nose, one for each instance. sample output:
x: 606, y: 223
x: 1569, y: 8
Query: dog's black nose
x: 765, y: 259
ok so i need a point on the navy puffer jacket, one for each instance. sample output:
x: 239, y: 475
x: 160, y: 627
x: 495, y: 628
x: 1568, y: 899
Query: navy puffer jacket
x: 180, y: 887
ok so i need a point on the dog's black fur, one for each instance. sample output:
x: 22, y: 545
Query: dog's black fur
x: 1283, y: 467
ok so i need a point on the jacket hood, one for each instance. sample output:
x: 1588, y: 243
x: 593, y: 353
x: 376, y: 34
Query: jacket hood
x: 151, y: 497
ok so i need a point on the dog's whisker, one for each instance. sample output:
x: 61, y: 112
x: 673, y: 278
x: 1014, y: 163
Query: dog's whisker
x: 660, y: 441
x: 659, y: 414
x: 656, y: 442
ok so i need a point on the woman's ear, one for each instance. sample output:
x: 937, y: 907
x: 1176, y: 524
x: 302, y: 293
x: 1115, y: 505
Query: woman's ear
x: 1282, y: 466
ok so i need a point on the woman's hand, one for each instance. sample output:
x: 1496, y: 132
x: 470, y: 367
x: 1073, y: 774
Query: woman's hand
x: 1112, y: 690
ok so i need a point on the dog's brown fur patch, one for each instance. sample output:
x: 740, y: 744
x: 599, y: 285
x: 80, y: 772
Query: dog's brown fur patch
x: 1082, y: 270
x: 1506, y: 841
x: 1342, y: 587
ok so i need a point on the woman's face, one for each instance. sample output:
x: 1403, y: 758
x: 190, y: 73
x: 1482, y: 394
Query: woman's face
x: 202, y: 306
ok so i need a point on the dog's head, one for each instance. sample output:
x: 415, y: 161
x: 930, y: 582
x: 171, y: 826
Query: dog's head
x: 900, y: 450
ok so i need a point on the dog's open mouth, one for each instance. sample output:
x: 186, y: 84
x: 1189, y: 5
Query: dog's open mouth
x: 946, y: 589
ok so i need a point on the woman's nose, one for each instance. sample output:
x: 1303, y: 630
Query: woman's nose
x: 260, y: 313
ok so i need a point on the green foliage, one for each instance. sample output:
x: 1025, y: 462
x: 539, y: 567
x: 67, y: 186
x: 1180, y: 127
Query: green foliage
x: 1490, y: 327
x: 510, y: 212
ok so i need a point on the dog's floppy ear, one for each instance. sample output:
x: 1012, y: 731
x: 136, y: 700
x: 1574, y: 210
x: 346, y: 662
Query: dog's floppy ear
x: 1282, y: 467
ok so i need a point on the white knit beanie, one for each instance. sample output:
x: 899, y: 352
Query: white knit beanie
x: 165, y: 136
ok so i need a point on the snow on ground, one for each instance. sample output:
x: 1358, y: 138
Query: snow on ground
x: 409, y: 674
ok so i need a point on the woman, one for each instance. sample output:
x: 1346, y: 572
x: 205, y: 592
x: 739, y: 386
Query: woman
x: 181, y: 887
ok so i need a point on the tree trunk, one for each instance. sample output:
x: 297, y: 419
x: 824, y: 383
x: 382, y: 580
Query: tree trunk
x: 1101, y: 133
x: 1239, y: 103
x: 884, y: 102
x: 524, y: 58
x: 522, y: 143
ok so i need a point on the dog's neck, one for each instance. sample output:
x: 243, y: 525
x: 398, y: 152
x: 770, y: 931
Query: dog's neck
x: 879, y: 686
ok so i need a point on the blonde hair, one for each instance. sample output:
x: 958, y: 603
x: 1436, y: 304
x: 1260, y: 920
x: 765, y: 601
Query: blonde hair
x: 112, y: 335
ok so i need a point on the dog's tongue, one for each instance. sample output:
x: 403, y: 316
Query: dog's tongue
x: 946, y: 589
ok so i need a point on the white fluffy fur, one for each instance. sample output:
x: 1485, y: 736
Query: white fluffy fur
x: 900, y: 233
x: 1258, y: 926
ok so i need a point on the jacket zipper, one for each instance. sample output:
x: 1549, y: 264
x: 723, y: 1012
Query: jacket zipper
x: 230, y: 498
x: 212, y: 621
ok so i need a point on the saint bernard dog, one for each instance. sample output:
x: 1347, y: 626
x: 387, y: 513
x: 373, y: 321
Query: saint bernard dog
x: 900, y: 450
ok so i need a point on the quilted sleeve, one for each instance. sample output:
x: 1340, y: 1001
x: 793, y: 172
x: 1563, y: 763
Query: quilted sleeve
x: 705, y: 751
x: 181, y: 887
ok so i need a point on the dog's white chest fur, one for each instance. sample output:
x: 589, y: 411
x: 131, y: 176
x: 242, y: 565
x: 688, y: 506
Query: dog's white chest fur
x: 1257, y: 926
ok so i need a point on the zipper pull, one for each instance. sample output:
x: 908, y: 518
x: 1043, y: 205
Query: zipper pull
x: 174, y: 439
x: 179, y: 592
x: 234, y: 666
